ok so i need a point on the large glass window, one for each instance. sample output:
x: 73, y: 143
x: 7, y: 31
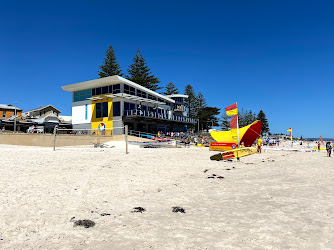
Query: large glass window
x: 116, y: 109
x: 129, y: 90
x: 105, y: 90
x: 126, y: 89
x: 129, y: 106
x: 141, y: 93
x: 82, y: 95
x: 151, y: 97
x: 126, y: 106
x: 98, y: 91
x: 116, y: 89
x: 101, y: 109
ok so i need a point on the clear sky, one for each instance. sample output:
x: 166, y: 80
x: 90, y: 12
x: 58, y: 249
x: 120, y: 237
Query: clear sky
x: 275, y: 55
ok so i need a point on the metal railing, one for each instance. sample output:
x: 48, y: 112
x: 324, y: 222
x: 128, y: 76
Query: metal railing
x: 157, y: 115
x: 141, y: 134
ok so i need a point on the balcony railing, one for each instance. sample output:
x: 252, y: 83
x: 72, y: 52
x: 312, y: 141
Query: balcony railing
x: 156, y: 115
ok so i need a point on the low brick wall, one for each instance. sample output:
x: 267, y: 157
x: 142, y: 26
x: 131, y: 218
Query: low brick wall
x: 46, y: 140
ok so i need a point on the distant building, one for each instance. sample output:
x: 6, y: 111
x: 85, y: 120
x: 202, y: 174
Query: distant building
x: 40, y: 120
x: 7, y: 110
x: 41, y: 112
x: 115, y: 102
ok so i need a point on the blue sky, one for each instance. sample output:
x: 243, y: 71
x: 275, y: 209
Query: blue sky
x: 277, y: 56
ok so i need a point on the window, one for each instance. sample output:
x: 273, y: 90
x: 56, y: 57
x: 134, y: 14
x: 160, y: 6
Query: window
x: 93, y: 91
x: 82, y: 95
x: 4, y: 114
x: 129, y: 106
x: 116, y: 109
x: 105, y: 90
x: 86, y: 112
x: 98, y: 91
x: 141, y: 93
x: 101, y: 110
x: 126, y: 89
x: 116, y: 89
x: 129, y: 90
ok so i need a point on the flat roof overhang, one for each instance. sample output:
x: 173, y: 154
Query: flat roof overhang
x: 111, y: 80
x: 178, y: 95
x: 131, y: 97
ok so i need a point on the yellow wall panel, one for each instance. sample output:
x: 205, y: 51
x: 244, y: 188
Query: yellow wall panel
x: 106, y: 120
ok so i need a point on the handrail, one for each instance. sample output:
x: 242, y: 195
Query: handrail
x: 136, y: 112
x: 139, y: 133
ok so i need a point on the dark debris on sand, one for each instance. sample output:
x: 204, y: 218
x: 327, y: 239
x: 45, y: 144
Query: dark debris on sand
x: 178, y: 210
x: 105, y: 214
x: 82, y: 223
x: 138, y: 210
x: 215, y: 176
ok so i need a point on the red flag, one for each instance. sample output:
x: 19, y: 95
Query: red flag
x: 322, y: 140
x: 234, y: 122
x: 232, y: 109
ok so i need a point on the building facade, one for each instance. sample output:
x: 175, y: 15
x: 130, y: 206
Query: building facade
x: 6, y: 111
x: 115, y: 102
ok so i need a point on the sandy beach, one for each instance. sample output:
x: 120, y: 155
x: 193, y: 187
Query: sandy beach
x: 277, y: 199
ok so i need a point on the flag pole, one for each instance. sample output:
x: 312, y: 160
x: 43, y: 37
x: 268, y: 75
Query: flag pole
x: 238, y: 131
x: 291, y: 137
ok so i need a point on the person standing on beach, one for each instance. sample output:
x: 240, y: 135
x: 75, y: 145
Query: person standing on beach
x: 259, y: 142
x: 329, y: 149
x: 318, y: 146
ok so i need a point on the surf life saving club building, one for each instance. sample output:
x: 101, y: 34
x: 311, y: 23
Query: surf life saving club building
x: 115, y: 101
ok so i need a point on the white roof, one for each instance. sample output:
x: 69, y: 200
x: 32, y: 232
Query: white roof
x: 5, y: 106
x: 178, y: 95
x: 42, y: 107
x: 110, y: 80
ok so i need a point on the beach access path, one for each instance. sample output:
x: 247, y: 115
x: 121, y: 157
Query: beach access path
x: 277, y: 199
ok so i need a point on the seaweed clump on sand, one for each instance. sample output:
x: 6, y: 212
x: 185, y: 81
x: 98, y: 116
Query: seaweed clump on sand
x: 138, y: 210
x: 178, y: 210
x: 83, y: 223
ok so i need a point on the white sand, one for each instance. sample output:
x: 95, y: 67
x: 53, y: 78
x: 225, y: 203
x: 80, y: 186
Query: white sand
x: 273, y: 200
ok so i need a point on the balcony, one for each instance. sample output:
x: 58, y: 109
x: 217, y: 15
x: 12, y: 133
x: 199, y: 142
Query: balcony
x: 180, y: 108
x: 158, y: 116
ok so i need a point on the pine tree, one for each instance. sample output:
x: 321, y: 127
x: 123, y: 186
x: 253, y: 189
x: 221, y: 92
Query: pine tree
x: 265, y: 125
x: 170, y: 89
x: 225, y: 125
x: 200, y: 103
x: 207, y: 117
x: 140, y: 73
x: 191, y: 100
x: 249, y: 117
x: 110, y: 66
x: 242, y: 118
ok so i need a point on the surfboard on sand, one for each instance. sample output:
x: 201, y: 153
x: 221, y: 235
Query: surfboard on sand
x: 230, y: 154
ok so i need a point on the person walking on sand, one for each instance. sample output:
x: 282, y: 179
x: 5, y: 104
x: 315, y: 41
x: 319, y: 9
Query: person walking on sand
x: 259, y: 142
x: 187, y: 142
x: 329, y: 149
x: 318, y: 146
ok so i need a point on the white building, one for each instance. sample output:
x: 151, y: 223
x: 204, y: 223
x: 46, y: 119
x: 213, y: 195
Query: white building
x: 115, y: 102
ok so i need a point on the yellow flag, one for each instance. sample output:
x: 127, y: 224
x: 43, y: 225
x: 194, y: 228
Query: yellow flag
x: 232, y: 109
